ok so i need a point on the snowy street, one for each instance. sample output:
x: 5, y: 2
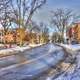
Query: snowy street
x: 47, y: 62
x: 36, y: 61
x: 39, y: 39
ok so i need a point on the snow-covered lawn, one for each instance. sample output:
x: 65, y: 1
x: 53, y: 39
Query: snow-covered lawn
x: 11, y: 51
x: 70, y: 46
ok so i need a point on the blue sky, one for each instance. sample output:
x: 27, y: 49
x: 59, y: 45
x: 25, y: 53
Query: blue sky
x: 43, y: 14
x: 73, y: 4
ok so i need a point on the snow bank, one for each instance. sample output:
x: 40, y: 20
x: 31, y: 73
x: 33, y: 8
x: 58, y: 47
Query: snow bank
x: 70, y: 46
x: 17, y: 49
x: 35, y: 45
x: 10, y: 51
x: 1, y: 45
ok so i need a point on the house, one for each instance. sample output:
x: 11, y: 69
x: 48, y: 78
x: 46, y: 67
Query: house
x: 73, y: 32
x: 77, y: 32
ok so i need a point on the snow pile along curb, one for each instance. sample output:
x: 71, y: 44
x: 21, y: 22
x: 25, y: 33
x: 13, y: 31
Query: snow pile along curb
x: 75, y: 47
x: 12, y: 51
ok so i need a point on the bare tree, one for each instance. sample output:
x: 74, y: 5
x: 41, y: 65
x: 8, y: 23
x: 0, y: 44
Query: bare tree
x: 3, y: 3
x: 23, y: 10
x: 62, y: 19
x: 4, y: 14
x: 18, y: 11
x: 44, y: 37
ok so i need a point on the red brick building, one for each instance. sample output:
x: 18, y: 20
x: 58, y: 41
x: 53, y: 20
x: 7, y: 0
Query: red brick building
x: 74, y: 32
